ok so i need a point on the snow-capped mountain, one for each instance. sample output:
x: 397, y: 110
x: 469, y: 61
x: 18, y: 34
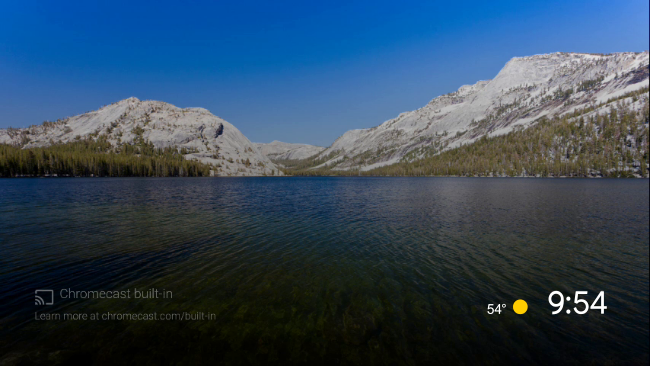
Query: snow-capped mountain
x: 526, y: 89
x: 207, y: 137
x: 278, y: 150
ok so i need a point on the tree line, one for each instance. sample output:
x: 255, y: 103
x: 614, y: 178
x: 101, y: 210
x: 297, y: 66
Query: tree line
x: 579, y: 144
x: 90, y: 157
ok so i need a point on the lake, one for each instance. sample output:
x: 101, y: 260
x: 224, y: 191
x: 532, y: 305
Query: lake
x: 395, y: 271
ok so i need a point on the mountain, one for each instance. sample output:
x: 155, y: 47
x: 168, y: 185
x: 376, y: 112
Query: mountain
x: 195, y: 131
x: 571, y: 90
x: 278, y: 150
x: 524, y: 91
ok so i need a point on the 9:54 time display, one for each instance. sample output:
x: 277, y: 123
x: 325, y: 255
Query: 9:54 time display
x: 584, y: 305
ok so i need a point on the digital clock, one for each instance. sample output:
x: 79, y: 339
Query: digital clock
x: 578, y: 301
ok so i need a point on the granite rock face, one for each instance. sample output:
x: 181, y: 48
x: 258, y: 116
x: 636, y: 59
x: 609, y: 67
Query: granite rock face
x: 278, y: 150
x: 209, y: 138
x: 526, y: 89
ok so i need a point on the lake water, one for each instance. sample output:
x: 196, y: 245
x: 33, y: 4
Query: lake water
x: 325, y: 270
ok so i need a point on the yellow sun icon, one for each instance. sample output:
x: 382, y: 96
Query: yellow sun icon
x: 520, y: 306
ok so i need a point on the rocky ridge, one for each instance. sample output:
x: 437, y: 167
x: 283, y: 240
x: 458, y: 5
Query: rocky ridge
x: 278, y: 150
x: 526, y: 89
x: 204, y: 136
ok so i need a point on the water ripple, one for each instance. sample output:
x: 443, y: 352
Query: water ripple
x: 333, y: 270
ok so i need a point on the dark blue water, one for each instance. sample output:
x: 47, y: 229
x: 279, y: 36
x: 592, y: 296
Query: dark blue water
x: 326, y: 270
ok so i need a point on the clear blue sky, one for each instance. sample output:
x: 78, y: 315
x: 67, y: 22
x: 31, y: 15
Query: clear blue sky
x: 297, y: 71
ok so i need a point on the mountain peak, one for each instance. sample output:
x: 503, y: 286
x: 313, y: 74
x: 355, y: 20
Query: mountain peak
x: 196, y: 133
x: 524, y: 90
x: 129, y: 100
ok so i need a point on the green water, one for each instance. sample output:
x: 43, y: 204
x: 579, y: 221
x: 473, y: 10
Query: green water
x: 395, y: 271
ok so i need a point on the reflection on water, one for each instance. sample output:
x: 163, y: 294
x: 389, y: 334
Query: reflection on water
x: 327, y: 270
